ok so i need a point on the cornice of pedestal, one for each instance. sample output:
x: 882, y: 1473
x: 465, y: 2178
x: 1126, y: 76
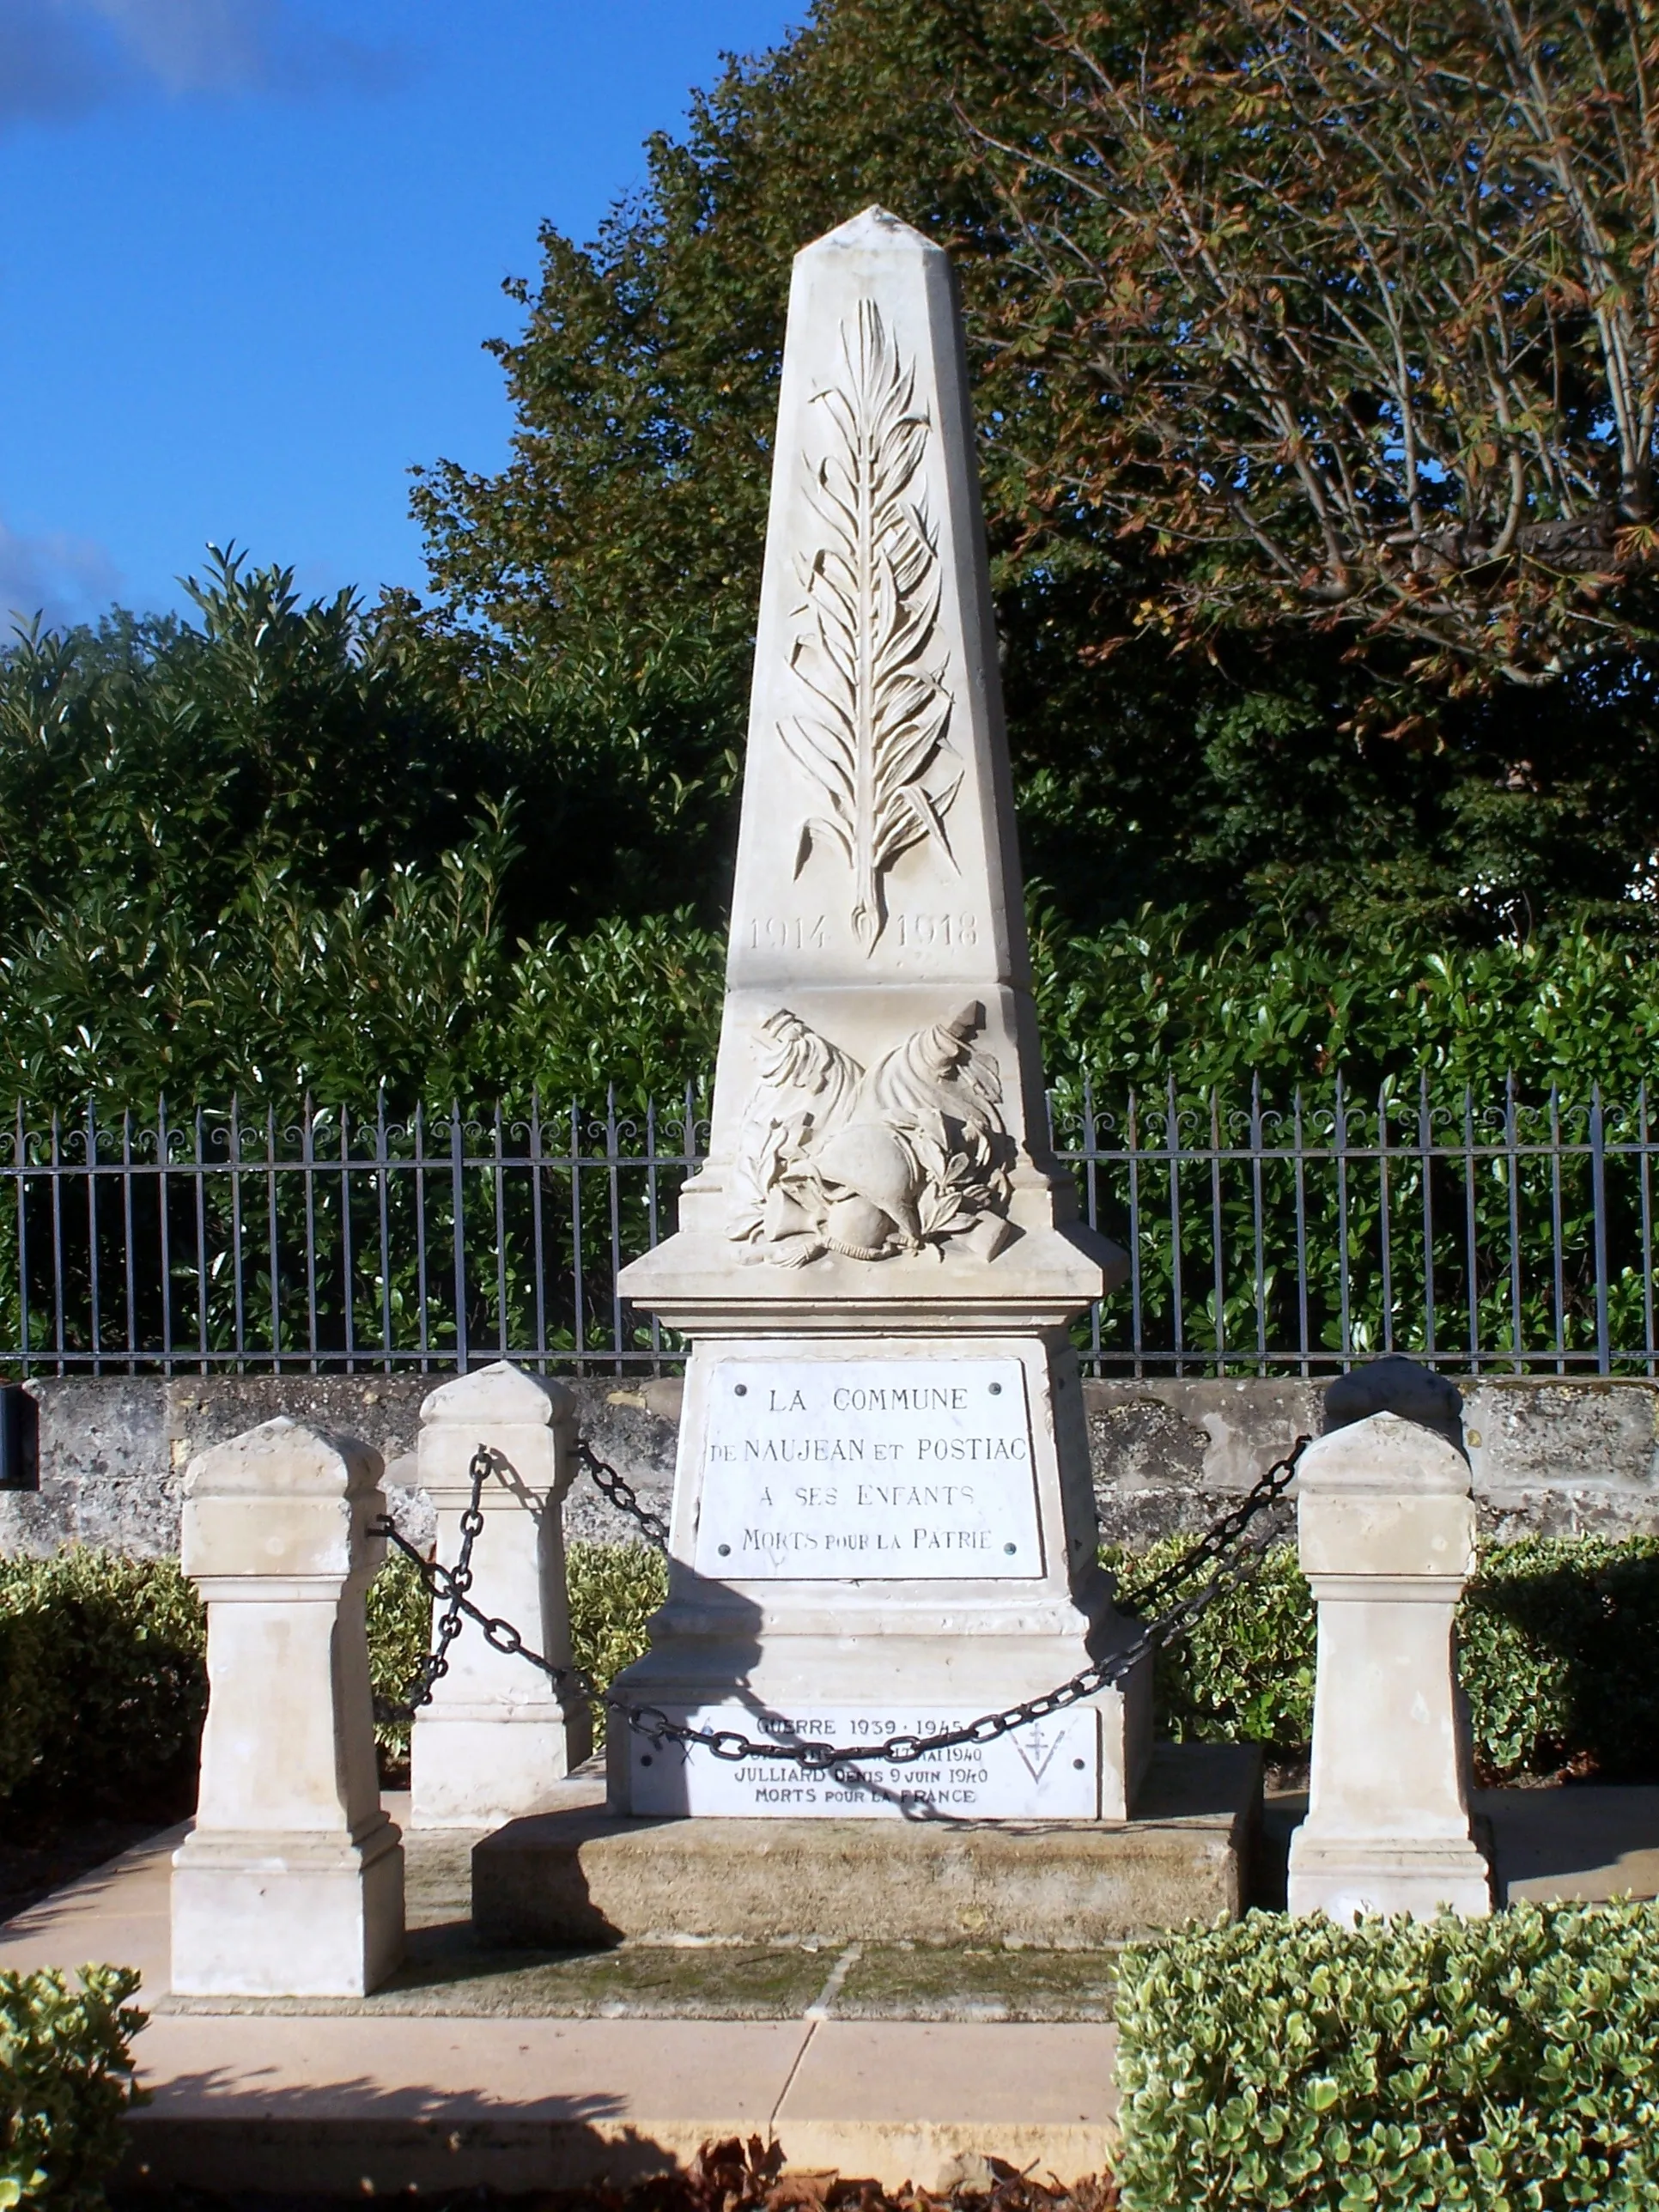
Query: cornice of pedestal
x: 695, y: 1283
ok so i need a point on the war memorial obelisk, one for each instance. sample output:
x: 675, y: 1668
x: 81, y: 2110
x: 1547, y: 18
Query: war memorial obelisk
x: 883, y: 1520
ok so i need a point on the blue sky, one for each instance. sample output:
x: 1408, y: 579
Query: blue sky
x: 250, y: 250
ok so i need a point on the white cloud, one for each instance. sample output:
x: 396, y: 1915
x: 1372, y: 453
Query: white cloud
x: 195, y: 46
x: 59, y: 57
x: 61, y: 578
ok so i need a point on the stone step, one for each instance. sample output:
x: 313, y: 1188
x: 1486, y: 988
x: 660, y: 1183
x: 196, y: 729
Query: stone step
x: 585, y: 1876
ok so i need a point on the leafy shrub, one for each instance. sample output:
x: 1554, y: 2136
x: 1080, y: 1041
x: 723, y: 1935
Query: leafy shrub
x: 65, y: 2081
x: 101, y: 1657
x: 1558, y: 1653
x: 1489, y: 2063
x: 102, y: 1660
x: 614, y: 1590
x: 399, y: 1612
x: 1245, y: 1674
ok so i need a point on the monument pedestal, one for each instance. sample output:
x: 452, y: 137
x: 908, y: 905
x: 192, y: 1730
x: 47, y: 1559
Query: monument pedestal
x: 586, y: 1877
x: 271, y: 1916
x: 497, y: 1735
x: 291, y: 1882
x: 877, y: 1538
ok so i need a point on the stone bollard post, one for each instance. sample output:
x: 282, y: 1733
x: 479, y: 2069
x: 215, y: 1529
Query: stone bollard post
x: 1386, y: 1536
x: 291, y: 1883
x: 497, y: 1734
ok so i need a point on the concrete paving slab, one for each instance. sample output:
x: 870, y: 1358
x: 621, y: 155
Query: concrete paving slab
x: 338, y: 2106
x: 300, y: 2100
x: 116, y: 1914
x: 920, y: 2096
x: 1589, y: 1841
x: 406, y: 2092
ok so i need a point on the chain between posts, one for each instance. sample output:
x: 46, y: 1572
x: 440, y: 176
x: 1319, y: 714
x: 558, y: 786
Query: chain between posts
x: 621, y: 1492
x: 730, y: 1744
x: 448, y: 1627
x: 1266, y: 1491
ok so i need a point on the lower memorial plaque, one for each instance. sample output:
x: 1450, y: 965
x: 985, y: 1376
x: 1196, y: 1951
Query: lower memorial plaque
x: 871, y: 1469
x: 1049, y: 1770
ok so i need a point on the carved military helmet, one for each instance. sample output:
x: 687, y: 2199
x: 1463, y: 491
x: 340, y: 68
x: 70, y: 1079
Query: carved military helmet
x: 871, y: 1184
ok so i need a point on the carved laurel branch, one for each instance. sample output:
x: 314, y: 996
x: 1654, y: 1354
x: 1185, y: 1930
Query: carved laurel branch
x: 872, y: 597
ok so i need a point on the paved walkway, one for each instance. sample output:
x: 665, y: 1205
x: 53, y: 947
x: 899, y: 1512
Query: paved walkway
x: 477, y: 2070
x: 346, y: 2101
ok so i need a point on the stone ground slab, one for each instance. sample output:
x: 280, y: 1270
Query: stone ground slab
x: 550, y: 2072
x: 546, y: 2071
x: 1588, y: 1840
x: 587, y: 1876
x: 1583, y: 1842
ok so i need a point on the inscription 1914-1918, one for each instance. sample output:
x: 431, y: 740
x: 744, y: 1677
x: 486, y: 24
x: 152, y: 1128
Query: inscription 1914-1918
x: 829, y: 1470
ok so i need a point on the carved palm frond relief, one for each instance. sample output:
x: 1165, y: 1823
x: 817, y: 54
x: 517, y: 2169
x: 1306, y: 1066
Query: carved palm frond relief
x: 873, y: 742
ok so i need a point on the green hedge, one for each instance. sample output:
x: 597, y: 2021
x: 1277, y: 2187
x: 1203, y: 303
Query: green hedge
x: 65, y: 2083
x: 1558, y: 1642
x: 102, y: 1660
x: 1495, y: 2064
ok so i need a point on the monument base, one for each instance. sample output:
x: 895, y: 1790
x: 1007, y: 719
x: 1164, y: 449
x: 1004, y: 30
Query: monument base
x: 1084, y: 1763
x: 578, y: 1879
x: 286, y: 1916
x: 1350, y: 1878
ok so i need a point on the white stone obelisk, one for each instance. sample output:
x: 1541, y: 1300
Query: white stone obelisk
x: 883, y: 1520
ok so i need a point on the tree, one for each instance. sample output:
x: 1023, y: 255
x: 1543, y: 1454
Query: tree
x: 295, y: 843
x: 645, y: 378
x: 1354, y: 310
x: 1247, y: 771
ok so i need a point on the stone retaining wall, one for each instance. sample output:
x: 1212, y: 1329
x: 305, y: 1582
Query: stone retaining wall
x: 1553, y: 1457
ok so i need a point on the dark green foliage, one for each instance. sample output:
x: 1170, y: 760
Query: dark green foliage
x: 66, y: 2082
x: 1233, y: 782
x: 314, y: 846
x: 473, y: 848
x: 614, y: 1590
x: 101, y: 1657
x: 1245, y: 1674
x: 1558, y: 1653
x: 1559, y: 1637
x: 399, y: 1615
x: 101, y: 1660
x: 1486, y: 2064
x: 1160, y: 997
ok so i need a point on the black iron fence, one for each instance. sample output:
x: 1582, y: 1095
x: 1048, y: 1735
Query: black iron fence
x: 1512, y: 1234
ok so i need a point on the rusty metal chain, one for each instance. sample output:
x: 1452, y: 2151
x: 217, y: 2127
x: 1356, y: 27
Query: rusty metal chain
x: 1233, y: 1568
x: 1267, y: 1490
x: 621, y: 1492
x: 448, y: 1627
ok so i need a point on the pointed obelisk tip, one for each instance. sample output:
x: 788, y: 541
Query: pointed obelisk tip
x: 874, y: 231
